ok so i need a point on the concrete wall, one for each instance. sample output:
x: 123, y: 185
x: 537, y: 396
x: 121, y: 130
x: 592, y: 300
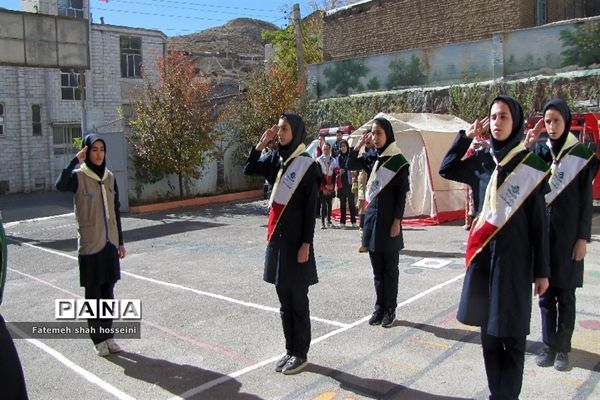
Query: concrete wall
x: 517, y: 53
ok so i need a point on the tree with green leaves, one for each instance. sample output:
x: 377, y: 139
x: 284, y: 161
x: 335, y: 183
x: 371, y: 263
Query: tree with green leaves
x: 345, y: 75
x: 268, y: 93
x: 284, y: 43
x: 582, y: 45
x: 402, y: 74
x: 172, y: 123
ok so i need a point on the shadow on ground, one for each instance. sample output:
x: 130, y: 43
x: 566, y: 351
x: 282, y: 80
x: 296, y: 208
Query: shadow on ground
x: 374, y: 388
x: 179, y: 378
x: 578, y: 358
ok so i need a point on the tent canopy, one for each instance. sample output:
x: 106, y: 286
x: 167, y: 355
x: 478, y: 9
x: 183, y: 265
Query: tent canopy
x: 424, y: 139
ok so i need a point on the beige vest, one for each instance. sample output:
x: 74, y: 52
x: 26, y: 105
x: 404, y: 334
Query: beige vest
x: 94, y: 230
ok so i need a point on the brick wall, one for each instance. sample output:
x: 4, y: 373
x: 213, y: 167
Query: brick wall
x: 383, y: 26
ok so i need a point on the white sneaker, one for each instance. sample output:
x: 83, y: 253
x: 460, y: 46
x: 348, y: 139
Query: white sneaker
x: 113, y: 347
x: 354, y: 225
x: 102, y: 349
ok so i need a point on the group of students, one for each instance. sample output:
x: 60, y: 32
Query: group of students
x: 534, y: 207
x: 338, y: 179
x: 289, y: 261
x: 534, y: 218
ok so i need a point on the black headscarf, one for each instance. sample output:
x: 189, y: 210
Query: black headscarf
x: 389, y: 134
x: 563, y: 109
x: 501, y: 148
x: 298, y: 134
x: 89, y: 141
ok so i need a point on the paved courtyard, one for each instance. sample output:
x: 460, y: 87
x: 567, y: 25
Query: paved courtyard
x: 211, y: 330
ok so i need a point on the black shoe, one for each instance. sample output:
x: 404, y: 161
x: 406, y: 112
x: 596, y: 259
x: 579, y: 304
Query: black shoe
x: 561, y: 363
x: 388, y: 318
x: 376, y: 318
x: 545, y: 358
x: 294, y: 365
x: 280, y: 364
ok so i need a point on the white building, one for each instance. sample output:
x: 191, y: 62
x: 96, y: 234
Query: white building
x: 41, y: 108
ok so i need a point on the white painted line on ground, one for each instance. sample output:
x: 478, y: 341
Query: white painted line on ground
x: 170, y: 332
x: 185, y: 288
x: 210, y: 384
x: 226, y: 298
x: 434, y: 263
x: 11, y: 224
x: 77, y: 369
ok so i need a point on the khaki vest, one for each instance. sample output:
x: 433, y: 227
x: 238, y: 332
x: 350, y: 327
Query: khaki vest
x: 94, y: 232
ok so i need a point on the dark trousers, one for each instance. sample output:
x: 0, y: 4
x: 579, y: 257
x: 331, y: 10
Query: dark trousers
x: 295, y: 318
x: 326, y: 200
x: 558, y: 318
x: 13, y: 382
x: 104, y: 291
x: 385, y: 278
x: 350, y: 200
x: 504, y: 358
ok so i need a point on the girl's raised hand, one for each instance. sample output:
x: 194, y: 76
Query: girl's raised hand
x: 533, y: 134
x: 478, y: 128
x: 81, y: 155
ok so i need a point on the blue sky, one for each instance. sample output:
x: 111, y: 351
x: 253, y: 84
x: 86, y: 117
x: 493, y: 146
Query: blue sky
x: 181, y: 17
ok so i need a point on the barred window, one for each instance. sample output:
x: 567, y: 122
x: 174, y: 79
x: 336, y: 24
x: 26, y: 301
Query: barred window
x: 131, y: 56
x: 69, y: 84
x: 36, y: 119
x: 1, y: 119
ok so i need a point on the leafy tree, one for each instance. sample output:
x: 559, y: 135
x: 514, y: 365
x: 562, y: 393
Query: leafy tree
x: 268, y: 93
x: 414, y: 72
x: 582, y: 45
x: 373, y: 83
x: 284, y: 42
x: 345, y: 75
x: 171, y: 123
x: 402, y: 74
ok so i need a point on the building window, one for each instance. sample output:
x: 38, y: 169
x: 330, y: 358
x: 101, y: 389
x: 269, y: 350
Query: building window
x: 63, y: 140
x: 1, y: 119
x: 131, y: 57
x: 69, y: 84
x: 36, y: 119
x: 70, y: 8
x: 540, y: 12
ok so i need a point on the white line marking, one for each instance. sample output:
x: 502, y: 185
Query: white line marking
x: 77, y: 369
x: 11, y: 224
x: 196, y: 291
x: 235, y: 374
x: 238, y: 373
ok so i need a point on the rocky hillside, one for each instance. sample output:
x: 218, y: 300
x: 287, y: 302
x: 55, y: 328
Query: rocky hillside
x: 227, y: 53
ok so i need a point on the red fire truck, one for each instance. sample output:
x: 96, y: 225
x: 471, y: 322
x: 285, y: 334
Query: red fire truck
x: 586, y: 126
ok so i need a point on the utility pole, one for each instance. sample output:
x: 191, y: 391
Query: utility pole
x: 81, y: 87
x: 299, y: 47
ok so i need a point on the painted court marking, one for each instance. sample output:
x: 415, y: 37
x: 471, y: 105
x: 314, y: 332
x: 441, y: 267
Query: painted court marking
x: 185, y: 288
x: 11, y: 224
x: 206, y: 386
x: 77, y: 369
x: 433, y: 263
